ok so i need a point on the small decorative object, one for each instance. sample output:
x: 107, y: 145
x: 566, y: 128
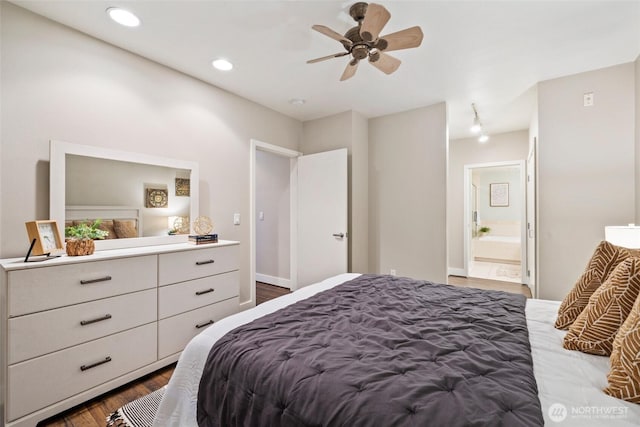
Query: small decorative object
x: 179, y: 225
x: 499, y: 194
x: 45, y: 238
x: 156, y: 198
x: 80, y: 238
x: 202, y: 225
x: 202, y: 239
x: 183, y: 187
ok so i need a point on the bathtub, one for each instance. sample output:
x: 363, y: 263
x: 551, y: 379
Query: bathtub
x: 497, y: 248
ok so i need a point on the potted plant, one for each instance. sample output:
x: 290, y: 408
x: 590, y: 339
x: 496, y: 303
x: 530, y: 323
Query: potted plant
x: 80, y: 237
x: 483, y: 230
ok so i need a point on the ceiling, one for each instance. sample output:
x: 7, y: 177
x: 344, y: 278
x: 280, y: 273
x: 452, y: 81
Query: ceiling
x: 489, y: 53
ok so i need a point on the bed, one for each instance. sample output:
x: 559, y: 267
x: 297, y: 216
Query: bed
x: 567, y: 384
x: 120, y: 221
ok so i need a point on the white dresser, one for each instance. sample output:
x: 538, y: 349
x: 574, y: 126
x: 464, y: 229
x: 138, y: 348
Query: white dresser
x: 77, y: 327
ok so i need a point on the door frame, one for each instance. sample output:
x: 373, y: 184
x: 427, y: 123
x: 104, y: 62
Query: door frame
x: 523, y: 214
x: 292, y: 155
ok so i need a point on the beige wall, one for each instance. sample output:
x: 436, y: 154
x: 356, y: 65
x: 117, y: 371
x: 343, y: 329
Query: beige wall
x: 501, y: 147
x: 585, y: 170
x: 60, y: 84
x: 359, y: 200
x: 407, y: 193
x: 346, y: 130
x: 273, y: 235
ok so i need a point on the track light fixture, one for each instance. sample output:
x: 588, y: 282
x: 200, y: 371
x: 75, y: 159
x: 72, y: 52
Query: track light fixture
x: 476, y: 127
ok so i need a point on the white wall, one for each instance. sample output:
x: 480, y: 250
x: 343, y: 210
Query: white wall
x: 585, y: 170
x: 501, y: 147
x: 407, y: 193
x: 347, y: 130
x: 273, y: 235
x: 60, y: 84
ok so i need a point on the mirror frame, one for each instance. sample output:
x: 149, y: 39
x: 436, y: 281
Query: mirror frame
x: 58, y: 151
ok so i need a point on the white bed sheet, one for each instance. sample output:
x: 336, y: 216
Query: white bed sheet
x: 569, y: 378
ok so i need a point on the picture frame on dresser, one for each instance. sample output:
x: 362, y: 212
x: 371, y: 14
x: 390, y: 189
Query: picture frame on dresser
x: 45, y: 238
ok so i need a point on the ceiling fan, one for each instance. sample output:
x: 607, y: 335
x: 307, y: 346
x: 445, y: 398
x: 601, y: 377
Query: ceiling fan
x: 363, y: 40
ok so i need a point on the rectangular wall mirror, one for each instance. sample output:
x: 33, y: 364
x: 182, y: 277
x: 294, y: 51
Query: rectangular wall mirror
x: 142, y: 200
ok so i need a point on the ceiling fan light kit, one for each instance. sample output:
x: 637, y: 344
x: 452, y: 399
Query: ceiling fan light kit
x: 363, y: 40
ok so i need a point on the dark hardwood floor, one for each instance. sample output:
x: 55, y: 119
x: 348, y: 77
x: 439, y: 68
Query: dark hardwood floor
x: 94, y: 412
x: 265, y: 292
x: 495, y: 285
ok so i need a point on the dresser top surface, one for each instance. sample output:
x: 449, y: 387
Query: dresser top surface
x: 9, y: 264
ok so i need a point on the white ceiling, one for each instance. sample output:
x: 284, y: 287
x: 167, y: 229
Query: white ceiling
x: 490, y: 53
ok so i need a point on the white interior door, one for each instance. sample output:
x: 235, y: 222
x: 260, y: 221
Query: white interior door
x: 322, y: 216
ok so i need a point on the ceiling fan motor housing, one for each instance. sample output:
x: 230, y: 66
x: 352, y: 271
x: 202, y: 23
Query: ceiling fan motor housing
x: 358, y: 11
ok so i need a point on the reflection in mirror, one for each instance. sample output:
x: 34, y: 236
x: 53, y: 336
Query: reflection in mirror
x: 142, y: 200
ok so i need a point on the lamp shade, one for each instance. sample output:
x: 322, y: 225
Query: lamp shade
x: 625, y: 236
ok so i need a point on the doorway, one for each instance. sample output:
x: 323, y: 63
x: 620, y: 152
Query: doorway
x: 317, y: 217
x: 495, y: 221
x: 279, y: 156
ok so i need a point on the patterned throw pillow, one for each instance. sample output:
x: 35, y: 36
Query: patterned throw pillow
x: 596, y: 327
x: 605, y: 259
x: 624, y: 376
x: 125, y: 228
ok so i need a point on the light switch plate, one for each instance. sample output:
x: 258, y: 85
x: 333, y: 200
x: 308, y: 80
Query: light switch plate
x: 236, y: 219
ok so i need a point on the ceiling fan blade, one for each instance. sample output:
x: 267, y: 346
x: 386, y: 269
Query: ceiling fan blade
x: 385, y: 63
x: 352, y: 66
x: 324, y: 58
x: 333, y: 34
x: 374, y: 21
x: 405, y: 39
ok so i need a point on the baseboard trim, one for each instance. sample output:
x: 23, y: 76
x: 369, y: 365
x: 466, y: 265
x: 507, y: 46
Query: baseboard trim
x: 456, y: 272
x: 272, y: 280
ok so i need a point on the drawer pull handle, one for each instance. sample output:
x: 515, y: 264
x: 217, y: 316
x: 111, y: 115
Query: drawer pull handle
x: 209, y: 261
x: 202, y: 325
x: 97, y: 319
x: 205, y: 292
x: 101, y: 279
x: 93, y: 365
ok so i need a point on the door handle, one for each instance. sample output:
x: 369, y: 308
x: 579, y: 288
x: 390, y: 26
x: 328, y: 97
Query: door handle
x: 339, y: 235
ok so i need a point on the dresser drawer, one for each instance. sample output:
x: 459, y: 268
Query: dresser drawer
x: 40, y: 382
x: 193, y: 264
x: 175, y: 332
x: 48, y: 331
x: 39, y: 289
x: 185, y: 296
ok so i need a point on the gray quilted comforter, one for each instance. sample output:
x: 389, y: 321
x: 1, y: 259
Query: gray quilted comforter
x: 377, y: 351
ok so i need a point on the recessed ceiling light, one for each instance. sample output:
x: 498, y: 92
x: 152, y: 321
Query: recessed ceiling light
x: 222, y: 64
x: 123, y: 17
x: 297, y: 101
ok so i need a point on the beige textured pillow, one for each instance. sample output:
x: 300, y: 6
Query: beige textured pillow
x: 624, y: 376
x: 125, y: 228
x: 596, y: 327
x: 605, y: 259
